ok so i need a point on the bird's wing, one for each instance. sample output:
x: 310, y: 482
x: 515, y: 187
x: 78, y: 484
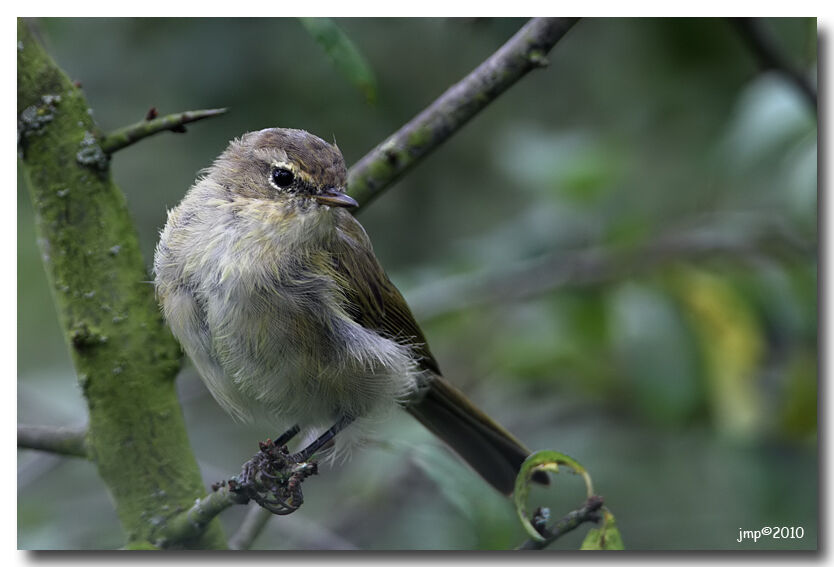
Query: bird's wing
x: 371, y: 299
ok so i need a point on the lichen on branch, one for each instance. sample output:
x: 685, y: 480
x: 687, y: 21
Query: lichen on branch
x: 129, y: 135
x: 388, y: 161
x: 124, y: 356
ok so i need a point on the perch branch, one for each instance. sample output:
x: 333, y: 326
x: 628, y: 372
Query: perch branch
x: 764, y: 48
x: 191, y: 524
x: 68, y: 441
x: 589, y: 512
x: 388, y: 161
x: 128, y: 135
x: 272, y: 478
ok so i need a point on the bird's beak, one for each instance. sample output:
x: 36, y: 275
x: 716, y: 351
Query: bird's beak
x: 333, y: 197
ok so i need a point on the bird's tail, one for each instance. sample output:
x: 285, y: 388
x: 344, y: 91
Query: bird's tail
x: 488, y: 448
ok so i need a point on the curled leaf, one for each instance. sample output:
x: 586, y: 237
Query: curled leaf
x: 546, y: 461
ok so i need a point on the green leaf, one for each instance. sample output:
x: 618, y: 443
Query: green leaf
x: 733, y: 347
x: 343, y: 53
x: 606, y: 537
x: 547, y: 461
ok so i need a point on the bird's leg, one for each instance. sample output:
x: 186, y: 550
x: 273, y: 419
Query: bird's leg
x: 323, y: 439
x: 287, y: 435
x: 273, y: 477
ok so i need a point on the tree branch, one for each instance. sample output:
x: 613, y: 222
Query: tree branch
x: 387, y: 162
x: 272, y: 478
x: 128, y: 135
x: 307, y: 535
x: 589, y: 512
x: 593, y: 266
x: 523, y: 52
x: 764, y: 48
x: 189, y: 525
x: 68, y: 441
x: 125, y: 358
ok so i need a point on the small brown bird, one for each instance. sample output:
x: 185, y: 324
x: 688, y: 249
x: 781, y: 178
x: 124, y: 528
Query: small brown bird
x: 275, y: 293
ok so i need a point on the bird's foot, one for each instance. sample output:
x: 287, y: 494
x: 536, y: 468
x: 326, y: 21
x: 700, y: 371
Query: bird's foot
x: 273, y: 477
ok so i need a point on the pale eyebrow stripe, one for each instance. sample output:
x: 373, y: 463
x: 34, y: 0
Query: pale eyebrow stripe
x: 305, y: 177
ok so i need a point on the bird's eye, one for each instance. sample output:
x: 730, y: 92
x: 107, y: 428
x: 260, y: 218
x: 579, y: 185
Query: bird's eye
x: 282, y: 177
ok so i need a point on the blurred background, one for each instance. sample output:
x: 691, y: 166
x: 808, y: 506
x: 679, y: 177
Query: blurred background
x: 616, y: 259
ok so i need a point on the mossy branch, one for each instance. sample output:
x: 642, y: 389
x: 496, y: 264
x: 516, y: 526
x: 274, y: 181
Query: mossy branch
x: 272, y: 478
x: 387, y: 162
x: 191, y: 524
x: 128, y: 135
x: 125, y: 357
x: 67, y: 441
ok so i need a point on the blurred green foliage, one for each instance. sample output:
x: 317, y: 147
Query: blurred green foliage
x: 686, y: 383
x: 343, y: 53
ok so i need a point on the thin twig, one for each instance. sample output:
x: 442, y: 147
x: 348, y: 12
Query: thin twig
x: 525, y: 51
x: 128, y: 135
x: 766, y: 51
x: 312, y: 536
x: 593, y: 266
x: 308, y: 535
x: 68, y: 441
x: 272, y: 478
x: 589, y: 512
x: 253, y: 524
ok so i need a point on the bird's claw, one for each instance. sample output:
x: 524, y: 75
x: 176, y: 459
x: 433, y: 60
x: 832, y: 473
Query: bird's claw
x: 273, y: 478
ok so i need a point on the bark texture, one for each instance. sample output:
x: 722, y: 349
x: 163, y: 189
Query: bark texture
x: 125, y: 358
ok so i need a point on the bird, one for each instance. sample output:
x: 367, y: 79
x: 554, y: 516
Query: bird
x: 273, y: 289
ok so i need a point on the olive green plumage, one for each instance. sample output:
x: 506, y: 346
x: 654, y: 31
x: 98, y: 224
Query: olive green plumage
x: 275, y: 293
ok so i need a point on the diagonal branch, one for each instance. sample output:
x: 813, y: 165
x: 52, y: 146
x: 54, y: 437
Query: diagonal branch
x: 253, y: 524
x: 68, y: 441
x: 305, y: 534
x: 595, y: 266
x: 525, y: 51
x: 190, y: 524
x: 128, y: 135
x: 764, y: 48
x: 272, y: 478
x: 589, y: 512
x: 387, y: 162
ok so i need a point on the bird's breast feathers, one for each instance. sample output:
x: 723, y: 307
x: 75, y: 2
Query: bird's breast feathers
x: 260, y: 293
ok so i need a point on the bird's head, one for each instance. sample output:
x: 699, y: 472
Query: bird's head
x: 292, y: 167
